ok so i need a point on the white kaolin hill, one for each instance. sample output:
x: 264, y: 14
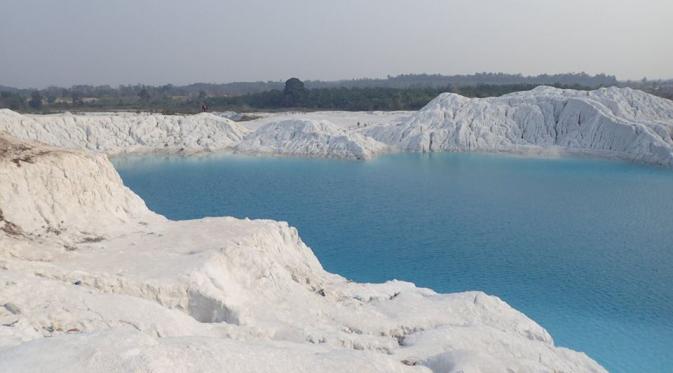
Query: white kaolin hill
x: 610, y: 122
x: 113, y: 133
x: 91, y: 280
x: 309, y: 138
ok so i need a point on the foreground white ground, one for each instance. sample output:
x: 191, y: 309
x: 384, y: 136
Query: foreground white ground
x: 91, y: 280
x: 611, y: 122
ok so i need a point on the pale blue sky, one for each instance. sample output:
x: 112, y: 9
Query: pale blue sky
x: 44, y: 42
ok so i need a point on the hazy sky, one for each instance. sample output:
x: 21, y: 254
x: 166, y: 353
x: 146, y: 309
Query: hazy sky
x: 65, y: 42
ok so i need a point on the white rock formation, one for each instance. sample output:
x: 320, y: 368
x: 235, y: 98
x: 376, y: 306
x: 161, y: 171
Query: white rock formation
x: 347, y: 120
x: 611, y: 122
x: 91, y: 280
x: 310, y: 138
x: 113, y: 133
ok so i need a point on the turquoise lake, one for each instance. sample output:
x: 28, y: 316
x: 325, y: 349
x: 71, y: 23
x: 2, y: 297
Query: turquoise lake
x: 584, y: 247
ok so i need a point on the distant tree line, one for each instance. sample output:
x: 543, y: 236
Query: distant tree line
x: 480, y: 79
x: 296, y: 95
x: 403, y: 92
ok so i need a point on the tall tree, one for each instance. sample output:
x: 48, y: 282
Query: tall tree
x: 294, y: 93
x: 35, y: 101
x: 144, y: 95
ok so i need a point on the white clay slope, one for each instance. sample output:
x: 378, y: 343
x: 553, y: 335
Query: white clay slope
x: 91, y: 280
x: 113, y: 133
x: 311, y: 138
x: 612, y: 122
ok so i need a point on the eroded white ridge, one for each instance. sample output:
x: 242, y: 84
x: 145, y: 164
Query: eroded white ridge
x: 310, y: 137
x: 114, y: 133
x: 610, y: 122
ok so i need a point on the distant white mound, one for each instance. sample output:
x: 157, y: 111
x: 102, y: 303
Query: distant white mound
x: 114, y: 133
x: 91, y: 280
x: 311, y: 138
x: 612, y: 122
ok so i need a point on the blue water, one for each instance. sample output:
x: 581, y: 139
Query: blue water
x: 584, y: 247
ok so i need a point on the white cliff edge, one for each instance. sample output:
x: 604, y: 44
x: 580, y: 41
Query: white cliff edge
x: 91, y: 280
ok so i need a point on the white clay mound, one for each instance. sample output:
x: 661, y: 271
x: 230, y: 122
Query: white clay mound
x: 611, y: 122
x: 311, y: 138
x: 113, y: 133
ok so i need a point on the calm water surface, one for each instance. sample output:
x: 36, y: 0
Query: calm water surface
x: 583, y: 247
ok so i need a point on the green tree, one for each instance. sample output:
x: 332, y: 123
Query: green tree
x: 76, y: 98
x: 144, y: 95
x: 294, y: 93
x: 35, y: 101
x: 10, y: 100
